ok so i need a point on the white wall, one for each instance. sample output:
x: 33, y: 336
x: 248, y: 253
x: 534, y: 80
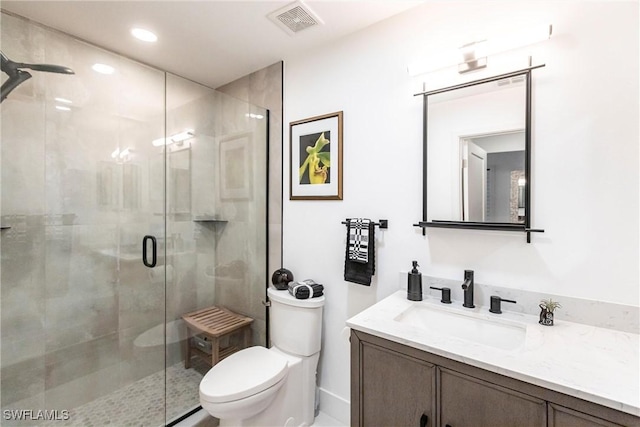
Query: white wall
x: 585, y: 156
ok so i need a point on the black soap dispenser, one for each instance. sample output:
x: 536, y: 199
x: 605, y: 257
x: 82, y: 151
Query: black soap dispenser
x: 414, y: 284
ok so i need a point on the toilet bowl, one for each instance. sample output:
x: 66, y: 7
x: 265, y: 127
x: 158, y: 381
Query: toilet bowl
x: 244, y: 385
x: 270, y: 387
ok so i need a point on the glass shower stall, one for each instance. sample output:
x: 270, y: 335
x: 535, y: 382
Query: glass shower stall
x: 127, y: 199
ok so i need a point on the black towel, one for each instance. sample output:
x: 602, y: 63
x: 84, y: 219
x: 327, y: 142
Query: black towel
x: 359, y: 272
x: 306, y: 289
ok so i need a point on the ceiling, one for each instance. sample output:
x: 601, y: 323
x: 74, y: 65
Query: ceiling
x: 210, y: 42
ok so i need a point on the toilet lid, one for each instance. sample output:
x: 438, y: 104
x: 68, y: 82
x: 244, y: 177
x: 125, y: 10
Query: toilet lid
x: 243, y: 374
x: 285, y: 297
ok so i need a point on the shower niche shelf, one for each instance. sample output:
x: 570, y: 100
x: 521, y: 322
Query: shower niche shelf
x: 211, y: 223
x: 209, y: 220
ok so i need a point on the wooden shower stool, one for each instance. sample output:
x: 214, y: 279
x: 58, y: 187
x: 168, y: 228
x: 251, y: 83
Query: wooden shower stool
x: 215, y: 323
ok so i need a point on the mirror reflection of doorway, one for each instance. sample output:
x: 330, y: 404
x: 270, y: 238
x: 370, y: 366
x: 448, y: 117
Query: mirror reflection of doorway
x: 474, y: 167
x: 488, y: 163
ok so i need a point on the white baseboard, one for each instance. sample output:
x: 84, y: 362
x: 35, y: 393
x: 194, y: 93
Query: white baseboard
x: 335, y: 406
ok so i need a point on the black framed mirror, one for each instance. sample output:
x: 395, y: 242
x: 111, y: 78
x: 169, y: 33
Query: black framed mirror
x: 477, y: 154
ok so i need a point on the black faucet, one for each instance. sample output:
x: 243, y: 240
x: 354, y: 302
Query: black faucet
x: 446, y: 294
x: 468, y: 289
x: 495, y: 303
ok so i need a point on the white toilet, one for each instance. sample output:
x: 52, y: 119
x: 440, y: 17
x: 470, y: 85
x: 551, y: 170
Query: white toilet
x: 270, y: 387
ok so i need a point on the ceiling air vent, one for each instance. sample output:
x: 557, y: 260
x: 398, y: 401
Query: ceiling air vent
x: 295, y: 17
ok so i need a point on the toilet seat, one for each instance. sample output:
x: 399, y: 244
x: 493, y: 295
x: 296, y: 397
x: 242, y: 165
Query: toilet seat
x: 243, y: 374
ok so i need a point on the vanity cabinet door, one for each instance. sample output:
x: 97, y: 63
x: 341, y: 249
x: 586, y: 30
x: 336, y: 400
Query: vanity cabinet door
x: 395, y: 389
x: 559, y: 416
x: 466, y: 401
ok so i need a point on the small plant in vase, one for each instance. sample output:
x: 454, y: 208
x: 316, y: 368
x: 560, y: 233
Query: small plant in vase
x: 547, y: 307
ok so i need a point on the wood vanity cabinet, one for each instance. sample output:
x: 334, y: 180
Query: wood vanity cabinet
x: 560, y: 416
x: 467, y: 401
x: 394, y: 385
x: 397, y: 389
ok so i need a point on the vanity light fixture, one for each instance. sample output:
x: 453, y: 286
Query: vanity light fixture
x: 63, y: 100
x: 103, y: 68
x: 62, y: 108
x: 183, y: 136
x: 122, y: 156
x: 179, y: 137
x: 473, y: 56
x: 254, y: 116
x: 144, y: 35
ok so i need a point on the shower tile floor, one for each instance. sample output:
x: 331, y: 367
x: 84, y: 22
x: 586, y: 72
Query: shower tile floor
x: 141, y: 403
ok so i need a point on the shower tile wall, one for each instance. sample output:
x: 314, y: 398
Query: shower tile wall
x: 241, y: 271
x: 264, y: 88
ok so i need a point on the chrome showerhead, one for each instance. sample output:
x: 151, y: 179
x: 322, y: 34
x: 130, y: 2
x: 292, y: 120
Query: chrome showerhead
x: 17, y: 75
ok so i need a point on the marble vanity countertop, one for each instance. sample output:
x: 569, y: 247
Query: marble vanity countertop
x: 595, y: 364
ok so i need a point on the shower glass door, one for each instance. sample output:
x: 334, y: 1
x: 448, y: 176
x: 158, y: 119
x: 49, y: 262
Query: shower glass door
x: 82, y: 318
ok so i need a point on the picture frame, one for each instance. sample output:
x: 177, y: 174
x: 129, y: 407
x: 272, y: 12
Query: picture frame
x: 235, y: 166
x: 315, y: 148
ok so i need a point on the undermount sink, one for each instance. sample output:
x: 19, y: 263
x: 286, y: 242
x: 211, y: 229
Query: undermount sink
x: 446, y: 322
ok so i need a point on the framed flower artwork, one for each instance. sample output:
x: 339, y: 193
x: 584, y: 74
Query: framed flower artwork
x: 316, y: 158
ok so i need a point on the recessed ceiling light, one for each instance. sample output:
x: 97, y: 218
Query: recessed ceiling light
x: 144, y: 35
x: 103, y: 68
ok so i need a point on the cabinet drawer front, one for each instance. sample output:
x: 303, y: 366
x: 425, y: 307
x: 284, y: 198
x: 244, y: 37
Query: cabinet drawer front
x: 395, y: 390
x: 467, y: 401
x: 560, y: 416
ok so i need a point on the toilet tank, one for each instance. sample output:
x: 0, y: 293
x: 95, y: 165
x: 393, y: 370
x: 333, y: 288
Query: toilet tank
x: 295, y: 324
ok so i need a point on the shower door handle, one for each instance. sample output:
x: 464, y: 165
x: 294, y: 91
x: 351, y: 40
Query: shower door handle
x: 154, y: 257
